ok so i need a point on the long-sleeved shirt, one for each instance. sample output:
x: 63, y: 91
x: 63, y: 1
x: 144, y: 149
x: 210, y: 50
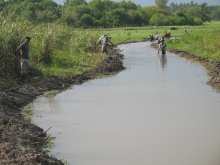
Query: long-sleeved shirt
x: 162, y: 45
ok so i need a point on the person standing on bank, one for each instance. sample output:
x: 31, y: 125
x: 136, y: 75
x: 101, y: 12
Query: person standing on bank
x: 105, y: 42
x: 162, y: 46
x: 23, y: 51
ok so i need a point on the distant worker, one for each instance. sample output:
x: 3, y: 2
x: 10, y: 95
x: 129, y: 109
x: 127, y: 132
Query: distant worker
x: 185, y: 30
x: 100, y: 40
x: 158, y: 36
x: 151, y: 37
x: 162, y: 46
x: 167, y: 35
x: 105, y: 42
x: 23, y: 51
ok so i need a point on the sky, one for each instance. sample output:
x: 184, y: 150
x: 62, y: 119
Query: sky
x: 152, y: 2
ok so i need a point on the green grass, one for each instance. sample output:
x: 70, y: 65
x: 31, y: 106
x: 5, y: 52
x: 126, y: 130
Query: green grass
x: 138, y: 33
x: 51, y: 93
x: 27, y: 112
x: 62, y: 51
x: 64, y: 64
x: 204, y: 43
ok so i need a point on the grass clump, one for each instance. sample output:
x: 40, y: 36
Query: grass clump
x: 27, y: 112
x: 51, y: 93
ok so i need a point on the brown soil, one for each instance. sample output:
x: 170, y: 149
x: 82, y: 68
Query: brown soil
x: 20, y: 141
x: 213, y: 68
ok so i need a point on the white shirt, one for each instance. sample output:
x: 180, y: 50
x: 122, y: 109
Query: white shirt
x: 158, y: 36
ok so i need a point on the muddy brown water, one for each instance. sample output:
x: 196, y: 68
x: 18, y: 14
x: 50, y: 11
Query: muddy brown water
x: 159, y: 111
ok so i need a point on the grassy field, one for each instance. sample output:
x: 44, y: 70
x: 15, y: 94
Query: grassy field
x: 64, y: 51
x: 138, y: 33
x: 201, y: 41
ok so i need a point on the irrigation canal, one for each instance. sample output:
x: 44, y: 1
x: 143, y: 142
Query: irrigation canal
x: 159, y: 111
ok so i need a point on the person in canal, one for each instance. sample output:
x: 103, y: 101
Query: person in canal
x: 162, y: 46
x: 151, y: 38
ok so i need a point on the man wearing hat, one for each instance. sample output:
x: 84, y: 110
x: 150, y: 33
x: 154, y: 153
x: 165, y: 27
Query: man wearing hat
x: 100, y: 40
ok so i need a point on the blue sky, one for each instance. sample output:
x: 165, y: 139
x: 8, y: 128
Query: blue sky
x: 151, y: 2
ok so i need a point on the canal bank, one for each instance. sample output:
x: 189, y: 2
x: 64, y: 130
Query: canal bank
x: 20, y: 141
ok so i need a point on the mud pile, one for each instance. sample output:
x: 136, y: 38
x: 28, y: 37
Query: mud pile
x: 20, y: 141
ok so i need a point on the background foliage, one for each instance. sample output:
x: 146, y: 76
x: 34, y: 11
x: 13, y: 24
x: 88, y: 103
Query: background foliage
x: 107, y: 13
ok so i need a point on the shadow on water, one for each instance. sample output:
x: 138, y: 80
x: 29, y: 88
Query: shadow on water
x: 141, y: 116
x: 162, y: 60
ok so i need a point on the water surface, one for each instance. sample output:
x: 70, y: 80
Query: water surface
x: 159, y: 111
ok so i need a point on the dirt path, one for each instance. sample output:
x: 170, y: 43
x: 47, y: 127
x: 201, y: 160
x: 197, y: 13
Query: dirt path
x: 20, y: 141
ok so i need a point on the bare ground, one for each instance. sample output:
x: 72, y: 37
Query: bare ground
x: 20, y: 141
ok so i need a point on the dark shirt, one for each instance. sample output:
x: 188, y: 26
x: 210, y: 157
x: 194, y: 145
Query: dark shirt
x: 24, y: 50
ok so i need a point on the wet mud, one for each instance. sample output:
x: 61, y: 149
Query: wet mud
x: 20, y: 141
x: 213, y: 68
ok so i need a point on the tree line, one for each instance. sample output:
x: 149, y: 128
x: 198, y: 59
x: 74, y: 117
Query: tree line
x: 107, y: 13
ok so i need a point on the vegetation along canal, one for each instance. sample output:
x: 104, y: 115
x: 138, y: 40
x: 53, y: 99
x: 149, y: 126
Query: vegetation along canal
x: 159, y: 111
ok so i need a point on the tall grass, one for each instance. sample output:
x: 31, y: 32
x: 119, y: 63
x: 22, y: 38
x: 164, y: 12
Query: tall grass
x: 204, y: 43
x: 61, y: 50
x: 54, y: 49
x: 10, y: 37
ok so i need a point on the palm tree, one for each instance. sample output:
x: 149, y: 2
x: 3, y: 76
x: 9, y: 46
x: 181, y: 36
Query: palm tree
x: 205, y: 12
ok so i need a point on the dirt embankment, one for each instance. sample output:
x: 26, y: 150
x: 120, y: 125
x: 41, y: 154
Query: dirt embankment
x: 213, y: 68
x: 20, y: 141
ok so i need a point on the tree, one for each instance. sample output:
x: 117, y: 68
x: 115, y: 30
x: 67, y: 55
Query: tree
x: 127, y: 5
x: 135, y: 17
x: 82, y: 9
x: 193, y: 12
x: 215, y: 13
x: 162, y: 4
x: 86, y: 20
x: 119, y: 15
x: 205, y: 12
x: 150, y: 10
x: 70, y: 17
x: 75, y: 2
x: 145, y: 17
x: 158, y: 19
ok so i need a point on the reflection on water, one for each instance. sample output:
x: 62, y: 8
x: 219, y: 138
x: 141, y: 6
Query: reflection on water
x: 140, y: 116
x: 162, y: 60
